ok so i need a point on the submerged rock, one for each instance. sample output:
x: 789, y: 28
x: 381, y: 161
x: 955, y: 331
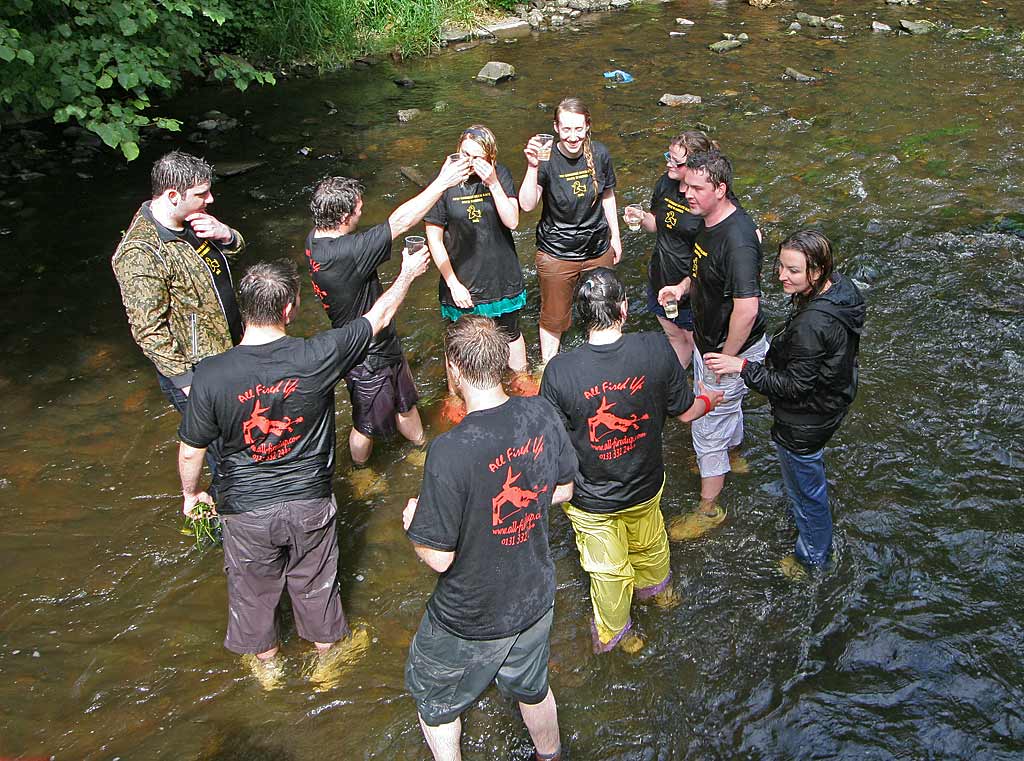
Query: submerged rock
x: 724, y: 46
x: 408, y: 114
x: 921, y: 26
x: 792, y: 73
x: 809, y: 20
x: 760, y: 3
x: 496, y: 71
x: 234, y: 168
x: 878, y: 26
x: 404, y: 82
x: 903, y: 2
x: 678, y: 100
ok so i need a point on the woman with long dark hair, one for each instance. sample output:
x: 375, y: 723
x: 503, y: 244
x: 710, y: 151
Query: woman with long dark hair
x: 578, y: 228
x: 810, y: 377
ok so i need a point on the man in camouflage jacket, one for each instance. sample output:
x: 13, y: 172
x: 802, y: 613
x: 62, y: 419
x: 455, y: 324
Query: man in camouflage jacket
x: 172, y: 267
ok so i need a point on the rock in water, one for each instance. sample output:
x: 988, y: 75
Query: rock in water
x: 921, y: 26
x: 724, y: 46
x: 809, y: 20
x: 408, y: 114
x: 678, y: 100
x: 760, y: 3
x: 233, y: 168
x: 496, y: 71
x: 796, y: 75
x: 404, y: 82
x: 878, y: 26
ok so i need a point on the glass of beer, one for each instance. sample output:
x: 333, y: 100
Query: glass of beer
x: 414, y: 242
x: 671, y: 309
x: 634, y: 216
x: 544, y: 151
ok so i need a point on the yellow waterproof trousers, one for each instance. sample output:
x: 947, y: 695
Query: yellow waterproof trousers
x: 624, y: 552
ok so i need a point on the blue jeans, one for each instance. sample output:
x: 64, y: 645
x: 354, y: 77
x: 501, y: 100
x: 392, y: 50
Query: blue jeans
x: 179, y: 400
x: 804, y: 478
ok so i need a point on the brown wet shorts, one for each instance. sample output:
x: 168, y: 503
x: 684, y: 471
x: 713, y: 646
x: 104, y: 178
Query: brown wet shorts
x: 293, y: 545
x: 378, y: 396
x: 558, y: 278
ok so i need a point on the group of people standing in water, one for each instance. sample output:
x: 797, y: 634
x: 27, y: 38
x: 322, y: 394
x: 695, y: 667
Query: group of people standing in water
x: 261, y: 413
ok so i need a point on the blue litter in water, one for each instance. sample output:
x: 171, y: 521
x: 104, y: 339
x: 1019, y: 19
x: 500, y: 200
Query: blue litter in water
x: 619, y: 75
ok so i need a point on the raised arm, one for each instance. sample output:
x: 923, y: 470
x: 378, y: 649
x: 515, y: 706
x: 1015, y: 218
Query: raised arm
x: 409, y: 214
x: 383, y: 311
x: 507, y: 208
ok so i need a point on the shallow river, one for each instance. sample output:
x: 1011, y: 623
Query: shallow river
x: 907, y: 152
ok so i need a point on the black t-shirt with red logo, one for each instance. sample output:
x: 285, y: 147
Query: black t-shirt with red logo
x: 486, y: 492
x: 479, y: 245
x: 726, y: 266
x: 572, y: 223
x: 344, y: 274
x: 273, y: 407
x: 614, y: 399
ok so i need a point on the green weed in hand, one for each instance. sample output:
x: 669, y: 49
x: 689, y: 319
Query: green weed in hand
x: 203, y: 525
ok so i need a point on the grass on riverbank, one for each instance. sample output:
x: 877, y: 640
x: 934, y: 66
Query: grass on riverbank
x: 328, y: 32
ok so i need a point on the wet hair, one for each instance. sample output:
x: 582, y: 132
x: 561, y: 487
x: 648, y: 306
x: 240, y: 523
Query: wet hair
x: 478, y: 348
x: 483, y: 137
x: 574, y: 105
x: 266, y: 289
x: 817, y: 251
x: 598, y: 299
x: 179, y: 171
x: 714, y: 164
x: 694, y: 141
x: 334, y: 199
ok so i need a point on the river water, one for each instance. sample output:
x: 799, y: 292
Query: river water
x: 906, y: 152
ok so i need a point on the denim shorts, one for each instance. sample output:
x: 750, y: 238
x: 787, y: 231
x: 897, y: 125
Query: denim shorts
x: 446, y: 673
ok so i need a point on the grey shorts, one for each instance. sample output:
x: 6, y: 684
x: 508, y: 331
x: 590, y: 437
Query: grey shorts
x: 446, y: 674
x: 378, y: 396
x: 293, y: 545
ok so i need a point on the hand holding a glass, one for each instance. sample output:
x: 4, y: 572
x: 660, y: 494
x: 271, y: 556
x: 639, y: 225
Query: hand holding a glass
x: 634, y: 216
x: 455, y: 170
x: 415, y: 256
x: 538, y: 149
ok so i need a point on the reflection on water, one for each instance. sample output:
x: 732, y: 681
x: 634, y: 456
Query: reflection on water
x: 906, y: 152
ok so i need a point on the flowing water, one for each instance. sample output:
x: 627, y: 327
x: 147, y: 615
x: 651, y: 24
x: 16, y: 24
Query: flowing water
x: 906, y: 151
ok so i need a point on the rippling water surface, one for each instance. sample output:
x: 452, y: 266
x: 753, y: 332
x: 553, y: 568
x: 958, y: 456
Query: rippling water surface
x: 907, y: 152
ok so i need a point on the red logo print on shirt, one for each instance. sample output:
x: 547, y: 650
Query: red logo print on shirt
x: 513, y: 495
x: 265, y: 425
x: 616, y: 446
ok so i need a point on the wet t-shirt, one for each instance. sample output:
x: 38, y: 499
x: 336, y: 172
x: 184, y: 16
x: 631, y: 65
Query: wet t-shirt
x: 726, y: 266
x: 614, y: 399
x: 675, y: 234
x: 216, y: 264
x: 344, y: 274
x: 479, y: 245
x: 486, y: 492
x: 273, y: 407
x: 572, y: 222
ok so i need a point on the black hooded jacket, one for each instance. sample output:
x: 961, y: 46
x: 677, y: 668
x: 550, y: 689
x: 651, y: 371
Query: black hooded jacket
x: 810, y: 372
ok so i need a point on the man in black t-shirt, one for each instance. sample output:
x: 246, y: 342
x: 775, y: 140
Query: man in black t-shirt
x: 270, y: 400
x: 343, y: 266
x: 481, y: 521
x: 614, y: 394
x: 725, y: 296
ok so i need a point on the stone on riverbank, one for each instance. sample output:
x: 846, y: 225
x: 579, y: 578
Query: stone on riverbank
x: 678, y: 100
x: 495, y: 72
x: 724, y: 46
x: 878, y: 26
x: 921, y: 26
x: 795, y: 75
x: 408, y: 114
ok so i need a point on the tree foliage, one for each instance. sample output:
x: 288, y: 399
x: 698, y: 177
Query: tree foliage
x: 99, y: 62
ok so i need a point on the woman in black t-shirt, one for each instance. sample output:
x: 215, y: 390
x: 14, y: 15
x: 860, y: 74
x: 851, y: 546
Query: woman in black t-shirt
x: 469, y: 231
x: 578, y: 228
x: 676, y: 228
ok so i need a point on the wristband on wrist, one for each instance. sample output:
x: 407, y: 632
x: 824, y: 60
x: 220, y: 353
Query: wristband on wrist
x: 707, y: 403
x: 742, y: 365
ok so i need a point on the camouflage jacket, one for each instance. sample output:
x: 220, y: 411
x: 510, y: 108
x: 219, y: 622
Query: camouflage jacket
x: 169, y: 295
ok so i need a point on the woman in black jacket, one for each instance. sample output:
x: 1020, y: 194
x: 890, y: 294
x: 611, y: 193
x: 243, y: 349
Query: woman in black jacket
x: 810, y: 378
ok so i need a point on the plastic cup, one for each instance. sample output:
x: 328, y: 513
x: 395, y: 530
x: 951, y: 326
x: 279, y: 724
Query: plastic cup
x: 414, y: 242
x: 544, y: 150
x: 671, y: 309
x: 634, y: 216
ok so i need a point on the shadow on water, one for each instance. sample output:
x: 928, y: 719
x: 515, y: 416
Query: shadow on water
x: 905, y: 152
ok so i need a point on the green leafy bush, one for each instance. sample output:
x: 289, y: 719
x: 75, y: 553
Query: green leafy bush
x: 99, y: 62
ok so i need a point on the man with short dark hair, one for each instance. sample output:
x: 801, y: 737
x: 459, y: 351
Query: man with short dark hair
x: 271, y: 401
x: 173, y: 269
x: 614, y: 394
x: 481, y: 521
x: 725, y: 295
x: 343, y: 266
